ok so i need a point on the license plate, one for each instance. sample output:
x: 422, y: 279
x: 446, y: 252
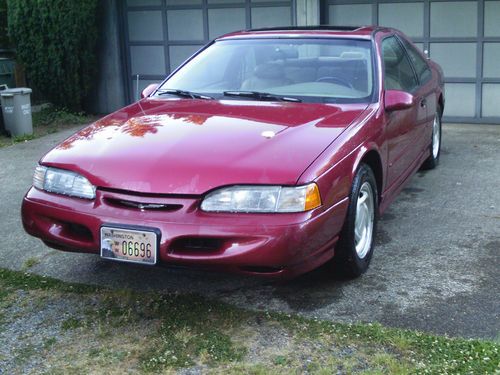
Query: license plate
x: 129, y: 245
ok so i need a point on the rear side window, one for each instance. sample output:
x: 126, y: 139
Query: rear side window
x: 423, y: 71
x: 398, y: 73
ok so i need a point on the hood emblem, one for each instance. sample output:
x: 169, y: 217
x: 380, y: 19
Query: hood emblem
x: 143, y: 206
x: 268, y: 134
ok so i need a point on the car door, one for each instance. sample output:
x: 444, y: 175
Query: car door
x: 426, y: 94
x: 400, y: 124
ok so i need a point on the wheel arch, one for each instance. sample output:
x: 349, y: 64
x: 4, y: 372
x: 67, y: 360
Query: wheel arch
x: 441, y: 103
x: 372, y: 158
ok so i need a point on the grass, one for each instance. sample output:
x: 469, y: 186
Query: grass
x: 12, y: 280
x: 71, y: 323
x: 47, y: 121
x: 29, y: 263
x: 119, y: 330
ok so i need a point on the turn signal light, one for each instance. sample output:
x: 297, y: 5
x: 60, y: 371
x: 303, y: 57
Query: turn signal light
x: 313, y: 199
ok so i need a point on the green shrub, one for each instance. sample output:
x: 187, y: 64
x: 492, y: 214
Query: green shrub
x: 55, y: 40
x: 4, y: 39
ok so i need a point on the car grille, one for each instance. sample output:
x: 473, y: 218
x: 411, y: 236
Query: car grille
x: 143, y: 206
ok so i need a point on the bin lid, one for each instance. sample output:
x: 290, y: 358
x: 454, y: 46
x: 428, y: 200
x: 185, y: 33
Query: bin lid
x: 16, y: 91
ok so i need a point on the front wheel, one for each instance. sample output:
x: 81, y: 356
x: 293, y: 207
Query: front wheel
x: 355, y: 247
x: 435, y: 147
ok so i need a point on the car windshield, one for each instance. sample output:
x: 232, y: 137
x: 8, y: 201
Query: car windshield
x: 336, y: 70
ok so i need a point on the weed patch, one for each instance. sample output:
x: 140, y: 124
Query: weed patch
x: 30, y: 262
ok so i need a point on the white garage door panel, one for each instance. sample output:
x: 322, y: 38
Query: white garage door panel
x: 454, y: 19
x: 272, y: 16
x: 456, y: 59
x: 350, y: 14
x: 222, y: 21
x: 460, y: 99
x: 492, y: 18
x: 147, y: 60
x: 407, y: 17
x: 491, y: 103
x: 185, y: 24
x: 183, y: 2
x: 178, y: 54
x: 145, y: 25
x: 225, y: 1
x: 491, y: 66
x: 137, y: 3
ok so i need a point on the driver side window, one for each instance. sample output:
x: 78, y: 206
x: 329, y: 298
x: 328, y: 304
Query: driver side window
x: 398, y: 73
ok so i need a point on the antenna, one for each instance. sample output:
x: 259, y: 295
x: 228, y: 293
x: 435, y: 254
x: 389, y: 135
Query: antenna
x: 137, y: 88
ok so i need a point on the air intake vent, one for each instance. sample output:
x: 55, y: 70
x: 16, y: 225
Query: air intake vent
x: 143, y: 206
x: 196, y: 244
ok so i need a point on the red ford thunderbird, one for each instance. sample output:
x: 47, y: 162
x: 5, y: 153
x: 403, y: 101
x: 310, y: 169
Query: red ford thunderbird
x: 268, y: 152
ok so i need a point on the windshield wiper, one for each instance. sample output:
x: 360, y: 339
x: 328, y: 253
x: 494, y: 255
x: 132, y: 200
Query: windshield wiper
x: 183, y: 94
x: 260, y: 96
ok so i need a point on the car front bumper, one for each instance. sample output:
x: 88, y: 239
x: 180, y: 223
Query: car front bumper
x: 283, y: 245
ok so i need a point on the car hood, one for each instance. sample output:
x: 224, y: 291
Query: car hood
x: 184, y: 146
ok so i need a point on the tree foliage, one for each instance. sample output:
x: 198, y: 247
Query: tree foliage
x: 56, y: 40
x: 4, y: 39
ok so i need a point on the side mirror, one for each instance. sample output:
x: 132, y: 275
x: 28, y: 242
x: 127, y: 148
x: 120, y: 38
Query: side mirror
x: 396, y: 100
x: 148, y: 90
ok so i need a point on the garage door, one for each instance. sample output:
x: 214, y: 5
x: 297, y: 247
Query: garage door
x: 160, y: 34
x: 462, y: 36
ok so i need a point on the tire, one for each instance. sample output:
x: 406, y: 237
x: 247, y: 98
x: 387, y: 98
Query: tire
x: 354, y: 250
x: 435, y: 147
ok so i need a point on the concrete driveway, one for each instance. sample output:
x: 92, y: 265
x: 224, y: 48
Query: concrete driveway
x: 435, y: 268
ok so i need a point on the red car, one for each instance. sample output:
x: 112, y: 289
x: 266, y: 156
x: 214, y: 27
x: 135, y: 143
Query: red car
x: 268, y: 152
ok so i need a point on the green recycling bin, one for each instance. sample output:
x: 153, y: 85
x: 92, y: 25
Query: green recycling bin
x: 16, y: 110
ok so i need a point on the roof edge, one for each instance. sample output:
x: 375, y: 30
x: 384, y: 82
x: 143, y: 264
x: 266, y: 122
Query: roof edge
x: 309, y: 28
x: 346, y: 31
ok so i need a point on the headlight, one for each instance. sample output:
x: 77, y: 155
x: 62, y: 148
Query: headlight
x: 64, y: 182
x: 263, y: 199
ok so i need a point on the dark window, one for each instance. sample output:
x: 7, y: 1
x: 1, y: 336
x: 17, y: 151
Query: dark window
x: 398, y: 73
x: 423, y: 71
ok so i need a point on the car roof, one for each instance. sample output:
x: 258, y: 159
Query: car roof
x: 358, y: 32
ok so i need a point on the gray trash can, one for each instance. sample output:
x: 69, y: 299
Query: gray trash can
x: 16, y: 109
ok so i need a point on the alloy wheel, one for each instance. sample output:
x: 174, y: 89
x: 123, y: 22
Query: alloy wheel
x: 365, y: 216
x: 436, y: 136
